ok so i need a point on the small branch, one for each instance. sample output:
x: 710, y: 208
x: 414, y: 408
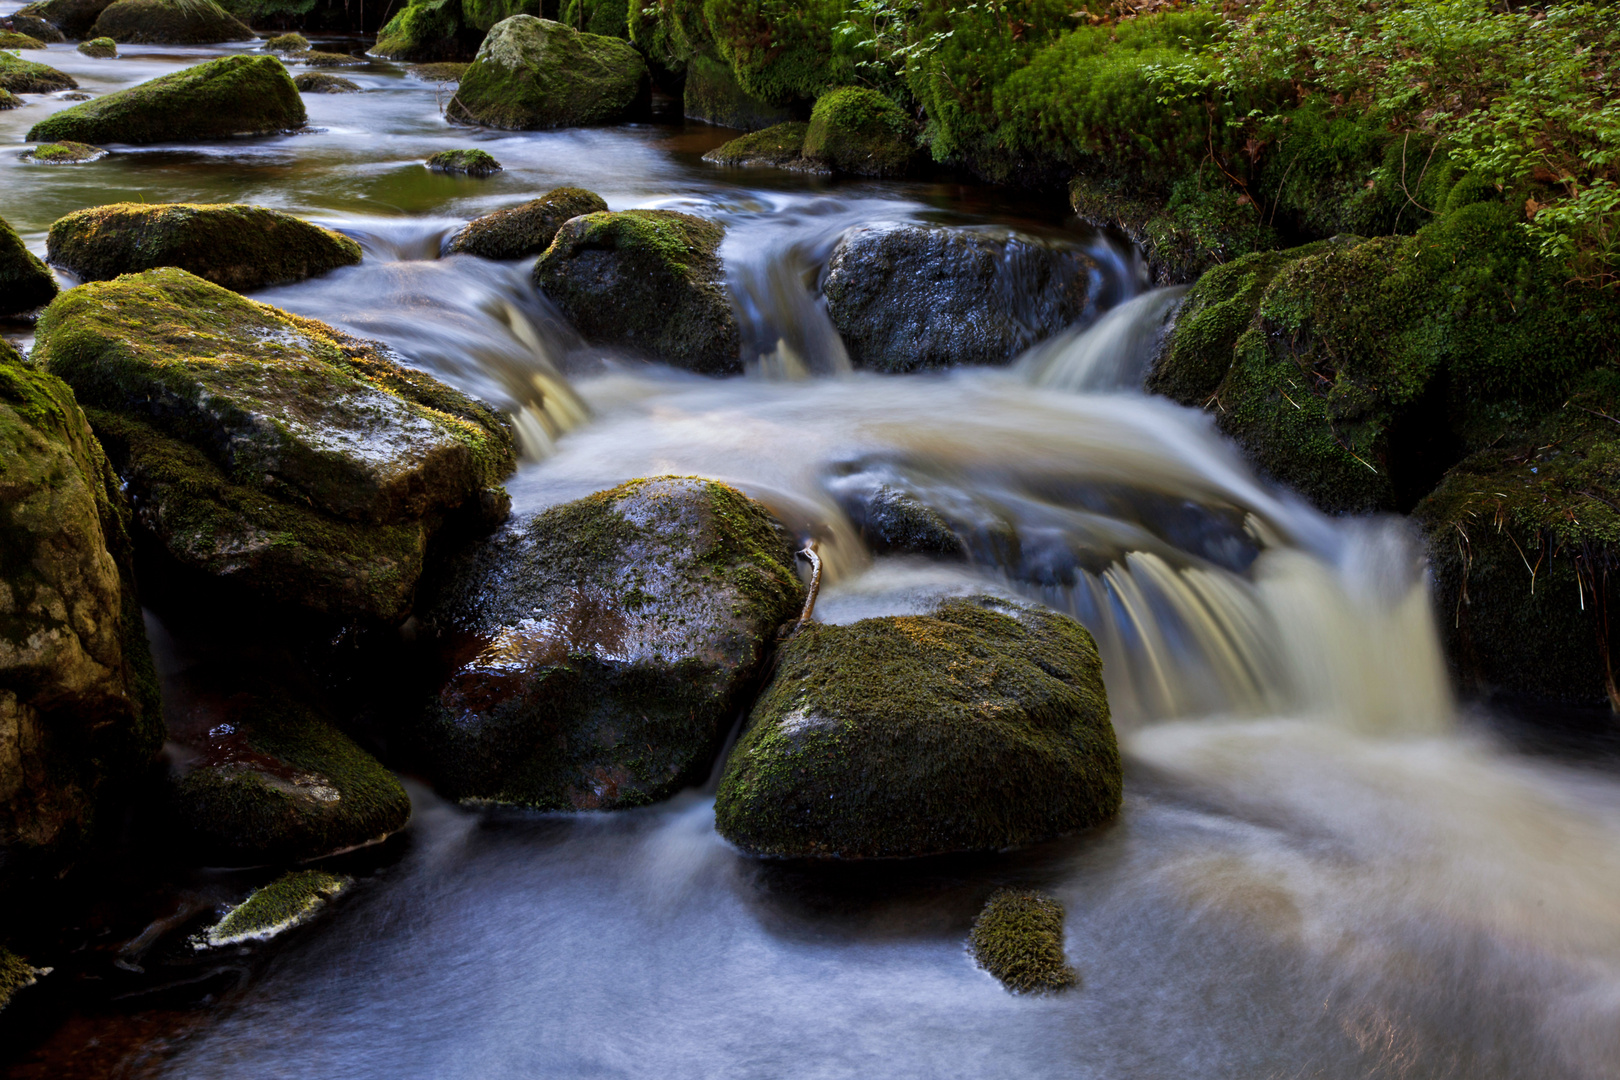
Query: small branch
x: 809, y: 555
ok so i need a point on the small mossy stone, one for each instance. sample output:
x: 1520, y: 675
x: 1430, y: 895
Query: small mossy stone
x: 328, y: 59
x: 319, y: 82
x: 979, y: 727
x: 287, y: 43
x: 36, y: 28
x: 446, y: 71
x: 102, y: 48
x: 859, y: 131
x: 780, y: 146
x: 16, y: 974
x: 289, y: 901
x: 169, y: 22
x: 646, y: 280
x: 529, y: 229
x: 470, y: 162
x: 11, y: 40
x: 25, y: 282
x: 234, y: 95
x: 1018, y: 938
x: 427, y: 30
x: 239, y: 247
x: 64, y: 153
x: 534, y: 73
x: 74, y: 18
x: 26, y: 77
x: 8, y: 100
x: 713, y: 96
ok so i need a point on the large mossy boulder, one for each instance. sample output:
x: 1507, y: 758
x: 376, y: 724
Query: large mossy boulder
x: 25, y: 282
x: 859, y: 131
x: 424, y: 31
x: 21, y: 76
x: 520, y: 231
x: 271, y: 452
x: 646, y: 280
x: 534, y: 73
x: 713, y: 96
x: 234, y: 95
x: 239, y: 247
x: 912, y: 297
x: 74, y: 18
x: 80, y: 717
x: 600, y: 651
x: 169, y: 22
x: 981, y: 726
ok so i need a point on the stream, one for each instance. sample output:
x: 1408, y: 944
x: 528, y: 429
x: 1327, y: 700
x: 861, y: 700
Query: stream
x: 1325, y: 866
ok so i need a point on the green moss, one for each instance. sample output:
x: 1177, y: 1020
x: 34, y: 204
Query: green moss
x: 529, y: 229
x: 102, y: 48
x: 289, y: 901
x: 780, y: 52
x: 781, y: 146
x: 443, y: 72
x: 609, y: 18
x: 471, y: 162
x: 328, y: 59
x: 73, y: 17
x: 712, y: 95
x: 319, y: 82
x: 1203, y: 223
x: 969, y: 729
x: 16, y: 974
x: 64, y: 153
x: 25, y: 283
x: 860, y: 131
x: 11, y: 40
x: 233, y: 95
x: 534, y: 73
x: 8, y: 100
x: 483, y: 14
x: 170, y: 22
x: 428, y: 30
x: 287, y: 43
x: 26, y: 77
x: 239, y: 247
x: 1018, y: 938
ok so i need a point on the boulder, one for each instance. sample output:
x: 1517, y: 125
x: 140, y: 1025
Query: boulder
x: 444, y: 72
x: 80, y: 716
x: 101, y: 48
x: 319, y: 82
x: 36, y: 28
x: 74, y: 18
x: 646, y: 280
x: 981, y: 726
x: 534, y: 73
x: 26, y: 77
x: 25, y: 282
x: 780, y: 147
x: 269, y: 452
x: 470, y: 162
x: 291, y: 900
x: 10, y: 39
x: 169, y: 22
x: 1018, y: 938
x: 891, y: 519
x: 713, y: 96
x: 426, y: 30
x: 234, y: 95
x: 287, y: 44
x: 239, y: 247
x: 525, y: 230
x: 64, y: 153
x: 600, y: 651
x: 859, y: 131
x: 913, y: 297
x: 484, y: 14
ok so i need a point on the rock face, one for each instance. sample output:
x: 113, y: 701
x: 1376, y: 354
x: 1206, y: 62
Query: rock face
x: 859, y: 131
x: 601, y: 649
x: 713, y: 96
x: 780, y: 146
x: 520, y: 231
x: 79, y: 709
x: 169, y: 22
x: 272, y: 452
x: 980, y: 727
x: 319, y: 82
x: 912, y: 297
x: 239, y: 247
x: 104, y: 48
x: 73, y: 18
x: 25, y: 282
x: 647, y: 280
x: 21, y: 76
x: 234, y: 95
x: 470, y: 162
x: 535, y: 73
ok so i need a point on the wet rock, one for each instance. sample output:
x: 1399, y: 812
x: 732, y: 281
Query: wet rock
x: 444, y: 72
x: 713, y: 96
x: 16, y: 974
x: 529, y: 229
x: 26, y: 77
x: 471, y: 162
x: 289, y: 901
x: 319, y: 82
x: 484, y: 14
x: 534, y: 73
x: 859, y: 131
x: 36, y: 28
x: 10, y: 39
x: 781, y: 147
x: 912, y: 297
x: 25, y: 282
x: 601, y: 650
x: 979, y: 727
x: 169, y: 22
x: 329, y: 59
x: 101, y: 48
x: 74, y: 18
x: 647, y: 280
x: 239, y: 247
x: 270, y: 452
x: 1018, y: 938
x: 79, y: 711
x: 8, y: 100
x: 287, y: 44
x: 234, y: 95
x: 64, y: 153
x: 272, y: 782
x: 893, y: 520
x: 426, y: 30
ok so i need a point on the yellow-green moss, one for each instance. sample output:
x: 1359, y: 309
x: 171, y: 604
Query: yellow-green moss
x: 287, y: 43
x: 11, y: 40
x: 781, y: 146
x: 471, y: 162
x: 1018, y: 938
x: 447, y: 71
x: 73, y: 17
x: 529, y: 229
x: 16, y: 974
x: 426, y: 30
x: 102, y: 48
x: 289, y: 901
x: 26, y: 77
x: 859, y: 131
x: 483, y: 14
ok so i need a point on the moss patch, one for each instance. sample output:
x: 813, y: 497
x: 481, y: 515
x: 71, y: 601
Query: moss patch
x: 287, y: 43
x: 16, y: 974
x: 426, y: 30
x: 26, y: 77
x: 859, y: 131
x: 12, y: 40
x: 319, y: 82
x: 170, y: 22
x: 102, y: 48
x: 1018, y: 938
x: 291, y: 900
x: 533, y: 73
x: 8, y: 100
x: 529, y: 229
x: 1202, y: 224
x: 471, y: 162
x: 780, y: 146
x: 64, y: 153
x: 329, y: 59
x: 25, y: 283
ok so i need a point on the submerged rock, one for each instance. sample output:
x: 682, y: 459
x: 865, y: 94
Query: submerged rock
x: 535, y: 73
x: 471, y: 162
x: 73, y: 18
x: 64, y: 153
x: 859, y: 131
x: 781, y: 146
x: 291, y: 900
x: 1018, y: 938
x: 648, y: 280
x: 287, y: 43
x: 319, y: 82
x: 26, y: 77
x: 234, y: 95
x: 269, y: 451
x: 913, y: 297
x: 713, y: 96
x: 169, y: 22
x: 101, y: 48
x: 979, y: 727
x: 239, y: 247
x: 529, y: 229
x: 602, y: 649
x: 25, y: 282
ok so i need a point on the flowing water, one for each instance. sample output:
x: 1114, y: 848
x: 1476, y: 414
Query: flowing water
x: 1320, y: 870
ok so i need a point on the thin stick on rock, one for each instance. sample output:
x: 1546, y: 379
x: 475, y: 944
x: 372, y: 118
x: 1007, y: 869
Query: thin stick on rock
x: 809, y: 555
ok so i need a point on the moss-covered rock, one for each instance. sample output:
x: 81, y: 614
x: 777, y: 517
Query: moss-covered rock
x: 859, y: 131
x: 647, y: 280
x: 64, y: 153
x: 291, y: 900
x: 101, y: 48
x: 234, y: 95
x: 424, y: 31
x: 610, y: 18
x: 445, y: 71
x: 535, y: 73
x: 911, y: 297
x: 8, y: 100
x: 780, y: 146
x: 16, y: 974
x: 239, y: 247
x: 287, y: 43
x: 484, y: 14
x: 270, y: 451
x: 36, y: 28
x: 601, y: 649
x: 1202, y: 224
x: 74, y: 18
x: 1018, y: 938
x: 10, y: 39
x: 78, y: 697
x: 318, y: 59
x: 26, y: 77
x: 272, y: 782
x: 892, y: 519
x: 713, y: 96
x: 471, y: 162
x: 319, y: 82
x: 25, y: 282
x: 979, y: 727
x: 521, y: 231
x: 169, y: 22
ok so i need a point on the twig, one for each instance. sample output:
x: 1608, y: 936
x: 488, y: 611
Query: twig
x: 809, y: 555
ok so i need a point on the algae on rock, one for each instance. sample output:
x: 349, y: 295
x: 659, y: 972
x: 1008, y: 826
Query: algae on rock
x: 25, y: 282
x: 1018, y: 938
x: 426, y: 30
x: 169, y: 22
x: 12, y: 40
x: 529, y: 229
x: 287, y: 43
x: 289, y: 901
x: 534, y: 73
x: 857, y: 130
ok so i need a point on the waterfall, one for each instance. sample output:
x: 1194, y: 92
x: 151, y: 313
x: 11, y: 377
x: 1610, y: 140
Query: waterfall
x: 1112, y: 354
